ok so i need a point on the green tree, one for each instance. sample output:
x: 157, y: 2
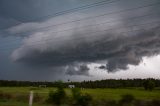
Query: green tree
x: 149, y: 85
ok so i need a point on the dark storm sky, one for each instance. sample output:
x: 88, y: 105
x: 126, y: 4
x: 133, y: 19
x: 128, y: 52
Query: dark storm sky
x: 63, y: 39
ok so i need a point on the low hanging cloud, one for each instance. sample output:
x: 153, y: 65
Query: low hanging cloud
x: 75, y: 48
x: 118, y: 52
x: 77, y: 70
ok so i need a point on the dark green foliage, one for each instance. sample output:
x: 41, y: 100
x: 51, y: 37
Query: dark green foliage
x: 149, y: 84
x: 80, y: 99
x: 126, y: 99
x: 58, y: 96
x: 108, y: 83
x: 114, y: 83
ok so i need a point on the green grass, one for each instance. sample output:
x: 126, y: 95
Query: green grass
x: 117, y: 93
x: 97, y: 94
x: 106, y: 93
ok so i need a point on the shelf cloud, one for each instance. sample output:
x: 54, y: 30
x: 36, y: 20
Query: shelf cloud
x: 71, y: 42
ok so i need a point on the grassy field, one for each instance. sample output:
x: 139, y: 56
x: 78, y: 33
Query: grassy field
x: 97, y: 94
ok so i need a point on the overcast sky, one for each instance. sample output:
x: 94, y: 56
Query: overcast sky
x: 79, y: 40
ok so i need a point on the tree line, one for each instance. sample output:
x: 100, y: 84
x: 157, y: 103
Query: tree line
x: 107, y: 83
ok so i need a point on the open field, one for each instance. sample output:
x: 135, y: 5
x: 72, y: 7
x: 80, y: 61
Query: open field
x: 97, y: 94
x: 107, y: 93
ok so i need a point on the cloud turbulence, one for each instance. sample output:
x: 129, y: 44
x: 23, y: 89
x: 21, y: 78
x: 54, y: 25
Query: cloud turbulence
x: 116, y: 49
x: 76, y: 48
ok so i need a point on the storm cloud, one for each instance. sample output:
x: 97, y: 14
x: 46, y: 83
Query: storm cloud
x: 117, y: 40
x: 77, y: 70
x: 118, y: 50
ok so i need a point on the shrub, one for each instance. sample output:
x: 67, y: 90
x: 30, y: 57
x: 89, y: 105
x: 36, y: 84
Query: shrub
x: 81, y: 99
x: 58, y: 96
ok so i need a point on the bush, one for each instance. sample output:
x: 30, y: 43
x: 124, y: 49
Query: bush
x: 57, y: 97
x: 81, y: 99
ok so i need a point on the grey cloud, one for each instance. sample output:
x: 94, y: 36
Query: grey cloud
x: 88, y: 45
x: 118, y: 52
x: 77, y: 70
x: 102, y: 67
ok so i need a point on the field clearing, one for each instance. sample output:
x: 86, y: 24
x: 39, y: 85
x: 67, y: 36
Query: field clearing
x: 106, y: 93
x: 97, y: 94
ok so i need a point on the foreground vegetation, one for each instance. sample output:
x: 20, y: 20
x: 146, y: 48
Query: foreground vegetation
x: 18, y: 96
x: 98, y: 93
